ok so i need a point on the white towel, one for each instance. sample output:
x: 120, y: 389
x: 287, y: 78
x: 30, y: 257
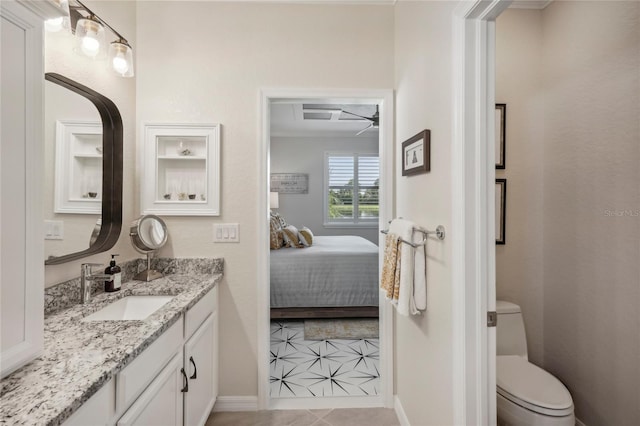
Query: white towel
x: 413, y: 288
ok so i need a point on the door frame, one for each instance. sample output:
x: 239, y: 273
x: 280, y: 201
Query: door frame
x: 473, y: 211
x: 384, y: 98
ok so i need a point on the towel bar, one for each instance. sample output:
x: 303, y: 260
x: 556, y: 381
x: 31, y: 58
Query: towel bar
x: 439, y: 233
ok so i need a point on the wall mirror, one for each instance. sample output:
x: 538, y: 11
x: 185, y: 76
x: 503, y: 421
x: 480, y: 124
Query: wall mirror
x: 83, y: 170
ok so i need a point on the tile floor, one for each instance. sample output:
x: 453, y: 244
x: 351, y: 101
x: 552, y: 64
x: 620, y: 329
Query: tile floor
x: 330, y: 417
x: 335, y: 367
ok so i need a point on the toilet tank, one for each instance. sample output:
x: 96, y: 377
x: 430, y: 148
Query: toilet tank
x: 511, y: 338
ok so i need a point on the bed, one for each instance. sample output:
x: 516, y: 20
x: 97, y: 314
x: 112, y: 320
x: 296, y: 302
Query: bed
x: 336, y: 277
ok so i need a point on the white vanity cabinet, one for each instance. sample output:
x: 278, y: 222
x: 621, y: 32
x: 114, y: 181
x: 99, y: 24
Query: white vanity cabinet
x: 201, y: 365
x: 21, y: 164
x: 173, y: 382
x: 161, y: 403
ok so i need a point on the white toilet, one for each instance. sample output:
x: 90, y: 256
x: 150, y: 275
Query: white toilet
x: 527, y: 395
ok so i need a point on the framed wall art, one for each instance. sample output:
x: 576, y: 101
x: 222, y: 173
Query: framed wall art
x: 290, y: 183
x: 501, y: 134
x: 416, y: 154
x: 501, y: 210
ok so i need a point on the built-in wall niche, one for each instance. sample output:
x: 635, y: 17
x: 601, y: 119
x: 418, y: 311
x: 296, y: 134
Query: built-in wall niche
x: 78, y: 167
x: 181, y: 170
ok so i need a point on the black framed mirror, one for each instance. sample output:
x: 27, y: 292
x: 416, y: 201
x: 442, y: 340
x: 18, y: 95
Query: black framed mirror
x: 112, y: 153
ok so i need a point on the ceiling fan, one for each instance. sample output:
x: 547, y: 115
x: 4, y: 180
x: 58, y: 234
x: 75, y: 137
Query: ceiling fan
x: 374, y: 120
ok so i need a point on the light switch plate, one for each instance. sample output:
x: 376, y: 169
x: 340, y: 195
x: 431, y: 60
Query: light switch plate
x: 226, y: 233
x: 53, y: 230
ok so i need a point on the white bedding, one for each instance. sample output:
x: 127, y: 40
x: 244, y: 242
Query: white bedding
x: 334, y: 271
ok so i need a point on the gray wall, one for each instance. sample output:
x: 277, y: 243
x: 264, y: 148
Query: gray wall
x: 306, y: 155
x: 592, y: 206
x: 572, y: 258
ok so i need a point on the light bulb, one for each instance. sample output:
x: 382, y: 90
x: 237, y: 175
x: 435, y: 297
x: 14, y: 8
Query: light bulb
x: 121, y: 57
x: 90, y: 46
x: 120, y: 64
x: 90, y: 36
x: 53, y: 25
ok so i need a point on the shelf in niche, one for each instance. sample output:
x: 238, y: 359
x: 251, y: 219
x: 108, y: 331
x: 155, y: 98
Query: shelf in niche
x: 181, y: 157
x: 170, y: 177
x: 78, y: 169
x: 96, y: 156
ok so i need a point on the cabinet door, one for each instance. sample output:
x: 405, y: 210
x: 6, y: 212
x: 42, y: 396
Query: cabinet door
x: 201, y: 364
x: 161, y: 403
x: 22, y: 246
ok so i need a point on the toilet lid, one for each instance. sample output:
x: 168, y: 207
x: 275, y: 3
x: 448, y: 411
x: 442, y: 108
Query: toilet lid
x: 531, y: 387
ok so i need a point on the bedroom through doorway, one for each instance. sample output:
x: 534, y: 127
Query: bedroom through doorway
x: 326, y: 181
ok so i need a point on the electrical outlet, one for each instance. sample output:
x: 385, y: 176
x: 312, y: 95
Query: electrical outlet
x: 226, y: 233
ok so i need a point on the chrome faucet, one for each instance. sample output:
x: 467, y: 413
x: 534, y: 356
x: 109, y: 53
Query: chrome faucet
x: 86, y: 276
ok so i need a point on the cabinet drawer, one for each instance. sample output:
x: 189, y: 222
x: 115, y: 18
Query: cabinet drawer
x: 161, y: 403
x: 136, y: 376
x: 97, y: 410
x: 200, y: 311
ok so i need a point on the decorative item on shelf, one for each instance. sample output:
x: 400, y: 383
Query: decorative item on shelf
x: 183, y: 149
x: 416, y: 154
x: 182, y: 196
x: 192, y: 196
x: 99, y: 150
x: 92, y: 194
x: 501, y: 210
x: 501, y: 135
x: 167, y: 196
x: 89, y: 30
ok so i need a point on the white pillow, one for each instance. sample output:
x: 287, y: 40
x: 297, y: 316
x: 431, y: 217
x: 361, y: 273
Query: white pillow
x: 291, y: 236
x: 306, y: 236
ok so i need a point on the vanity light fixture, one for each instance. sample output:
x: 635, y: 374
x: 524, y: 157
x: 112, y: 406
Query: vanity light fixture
x: 89, y: 30
x: 121, y: 58
x: 90, y: 36
x: 54, y: 25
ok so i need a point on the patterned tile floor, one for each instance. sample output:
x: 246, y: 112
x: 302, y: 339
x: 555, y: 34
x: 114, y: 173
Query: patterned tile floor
x: 334, y: 367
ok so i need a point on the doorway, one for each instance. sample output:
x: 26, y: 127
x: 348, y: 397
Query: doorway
x: 384, y: 100
x: 473, y: 195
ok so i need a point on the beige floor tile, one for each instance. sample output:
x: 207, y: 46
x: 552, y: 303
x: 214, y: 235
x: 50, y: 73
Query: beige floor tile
x: 320, y: 413
x: 233, y: 418
x: 362, y: 417
x: 262, y: 418
x: 286, y: 418
x: 328, y: 417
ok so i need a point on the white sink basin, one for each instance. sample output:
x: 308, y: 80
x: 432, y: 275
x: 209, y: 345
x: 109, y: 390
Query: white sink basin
x: 130, y: 308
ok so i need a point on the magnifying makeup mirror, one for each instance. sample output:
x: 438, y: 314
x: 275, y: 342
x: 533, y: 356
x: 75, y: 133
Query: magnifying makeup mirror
x: 148, y: 234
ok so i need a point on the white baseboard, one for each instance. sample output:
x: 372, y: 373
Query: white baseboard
x: 236, y: 403
x: 579, y: 423
x: 402, y: 416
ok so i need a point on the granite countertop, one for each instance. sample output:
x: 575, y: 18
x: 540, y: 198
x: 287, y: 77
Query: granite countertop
x: 80, y: 357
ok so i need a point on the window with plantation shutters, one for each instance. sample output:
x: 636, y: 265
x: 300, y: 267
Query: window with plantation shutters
x: 351, y: 189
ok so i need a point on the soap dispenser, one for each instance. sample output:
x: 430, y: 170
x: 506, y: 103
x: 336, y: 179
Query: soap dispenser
x: 116, y: 272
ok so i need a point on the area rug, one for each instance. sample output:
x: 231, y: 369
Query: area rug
x: 352, y: 328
